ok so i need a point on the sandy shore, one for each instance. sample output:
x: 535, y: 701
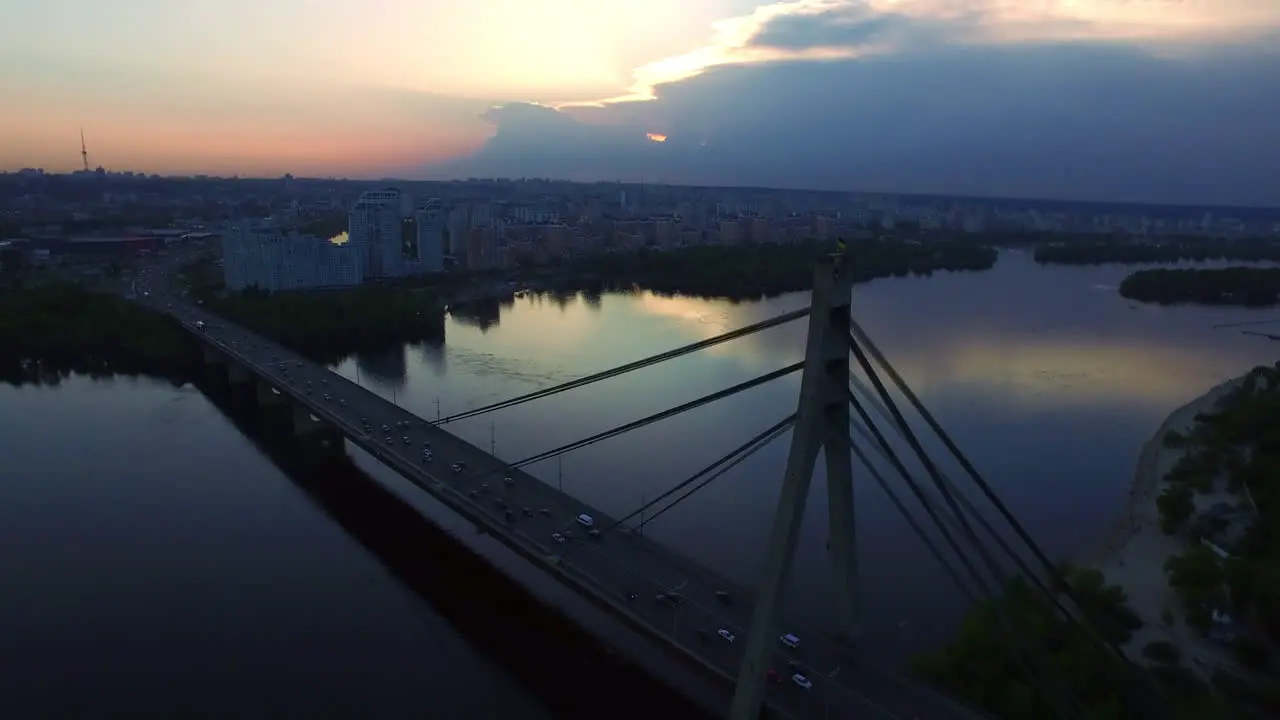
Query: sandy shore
x: 1153, y: 462
x: 1133, y: 552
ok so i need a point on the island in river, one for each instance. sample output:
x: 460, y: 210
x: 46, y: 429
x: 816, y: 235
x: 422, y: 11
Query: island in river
x: 1244, y: 286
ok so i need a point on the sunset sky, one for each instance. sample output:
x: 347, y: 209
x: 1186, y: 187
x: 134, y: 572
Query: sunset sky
x: 321, y: 87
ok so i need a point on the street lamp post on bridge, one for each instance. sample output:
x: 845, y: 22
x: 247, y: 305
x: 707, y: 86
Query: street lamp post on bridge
x: 822, y: 422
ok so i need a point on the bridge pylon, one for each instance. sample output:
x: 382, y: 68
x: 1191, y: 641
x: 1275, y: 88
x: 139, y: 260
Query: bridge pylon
x: 822, y: 425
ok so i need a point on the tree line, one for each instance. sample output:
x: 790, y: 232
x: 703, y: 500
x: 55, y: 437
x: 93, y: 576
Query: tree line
x: 329, y: 326
x: 1245, y: 286
x: 752, y: 272
x: 1236, y: 447
x: 50, y: 331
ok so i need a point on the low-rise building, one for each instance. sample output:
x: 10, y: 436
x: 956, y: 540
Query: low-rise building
x: 275, y: 260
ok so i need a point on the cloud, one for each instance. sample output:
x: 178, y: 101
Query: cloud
x: 1132, y: 101
x: 827, y: 29
x: 853, y: 27
x: 533, y: 140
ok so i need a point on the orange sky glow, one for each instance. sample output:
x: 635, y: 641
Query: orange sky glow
x: 321, y: 87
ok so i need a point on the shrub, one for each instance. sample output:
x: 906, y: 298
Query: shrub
x: 1163, y: 652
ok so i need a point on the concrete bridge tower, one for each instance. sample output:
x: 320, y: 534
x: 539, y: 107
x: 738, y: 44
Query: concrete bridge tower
x: 822, y: 426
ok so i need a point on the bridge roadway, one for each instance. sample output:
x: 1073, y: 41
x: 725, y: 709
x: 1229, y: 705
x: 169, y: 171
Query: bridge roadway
x: 621, y: 571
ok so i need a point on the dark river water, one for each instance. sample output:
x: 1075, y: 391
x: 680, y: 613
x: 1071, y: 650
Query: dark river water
x: 148, y: 549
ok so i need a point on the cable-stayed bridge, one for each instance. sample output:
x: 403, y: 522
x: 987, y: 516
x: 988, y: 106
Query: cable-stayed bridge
x: 773, y: 658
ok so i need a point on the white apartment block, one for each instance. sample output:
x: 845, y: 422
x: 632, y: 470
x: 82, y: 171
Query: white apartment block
x: 375, y: 227
x: 278, y: 260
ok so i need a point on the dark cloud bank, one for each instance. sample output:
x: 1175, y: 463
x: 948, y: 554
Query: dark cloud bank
x: 1066, y: 120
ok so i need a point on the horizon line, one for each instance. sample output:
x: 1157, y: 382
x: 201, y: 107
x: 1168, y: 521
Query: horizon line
x: 334, y: 178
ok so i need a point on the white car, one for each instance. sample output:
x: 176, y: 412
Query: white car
x: 728, y: 636
x: 802, y: 681
x: 586, y: 520
x: 557, y: 537
x: 790, y: 641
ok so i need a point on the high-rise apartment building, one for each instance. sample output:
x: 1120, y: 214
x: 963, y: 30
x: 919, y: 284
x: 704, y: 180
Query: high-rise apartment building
x: 429, y: 220
x: 278, y: 260
x: 481, y: 249
x: 375, y: 227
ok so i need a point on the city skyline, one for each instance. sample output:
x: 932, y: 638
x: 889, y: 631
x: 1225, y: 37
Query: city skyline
x: 1136, y: 101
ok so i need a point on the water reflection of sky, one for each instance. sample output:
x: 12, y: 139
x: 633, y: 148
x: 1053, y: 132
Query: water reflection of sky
x: 148, y: 546
x: 1044, y: 375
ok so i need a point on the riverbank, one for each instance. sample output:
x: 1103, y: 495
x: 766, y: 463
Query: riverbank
x: 1133, y: 552
x: 755, y: 271
x: 52, y: 330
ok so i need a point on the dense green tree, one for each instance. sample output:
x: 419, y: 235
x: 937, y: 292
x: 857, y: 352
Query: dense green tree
x: 50, y: 330
x: 1197, y: 468
x: 988, y: 660
x: 1176, y: 505
x: 742, y: 272
x: 1162, y: 651
x: 1198, y: 577
x: 1253, y: 654
x: 1106, y: 606
x: 1248, y: 286
x: 328, y: 326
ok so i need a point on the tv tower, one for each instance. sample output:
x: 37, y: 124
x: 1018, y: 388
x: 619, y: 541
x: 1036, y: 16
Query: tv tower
x: 84, y: 151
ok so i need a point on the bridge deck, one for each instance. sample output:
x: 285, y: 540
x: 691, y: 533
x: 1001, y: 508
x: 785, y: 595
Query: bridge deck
x: 606, y: 570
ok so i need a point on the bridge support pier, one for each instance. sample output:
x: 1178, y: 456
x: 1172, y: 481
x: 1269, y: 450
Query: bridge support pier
x: 310, y: 428
x: 304, y: 423
x: 267, y: 395
x: 238, y: 374
x: 211, y: 356
x: 822, y: 424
